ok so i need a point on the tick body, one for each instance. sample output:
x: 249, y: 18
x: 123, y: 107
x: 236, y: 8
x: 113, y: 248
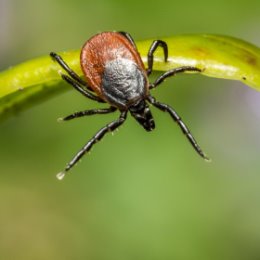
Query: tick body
x: 114, y: 70
x: 115, y: 74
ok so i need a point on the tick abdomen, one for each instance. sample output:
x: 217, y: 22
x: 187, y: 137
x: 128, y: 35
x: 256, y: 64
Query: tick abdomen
x: 123, y: 83
x: 110, y: 61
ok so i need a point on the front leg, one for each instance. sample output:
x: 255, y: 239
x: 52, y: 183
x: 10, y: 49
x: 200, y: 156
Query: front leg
x: 178, y: 120
x: 96, y: 138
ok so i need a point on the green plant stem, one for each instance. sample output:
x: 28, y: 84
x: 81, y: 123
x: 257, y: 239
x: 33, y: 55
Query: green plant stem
x: 218, y: 56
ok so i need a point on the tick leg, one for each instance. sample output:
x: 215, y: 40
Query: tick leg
x: 65, y: 66
x: 88, y: 113
x: 177, y: 119
x: 171, y: 73
x: 79, y: 88
x: 97, y: 137
x: 129, y: 38
x: 152, y: 49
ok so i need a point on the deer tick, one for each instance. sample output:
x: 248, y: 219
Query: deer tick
x: 116, y: 75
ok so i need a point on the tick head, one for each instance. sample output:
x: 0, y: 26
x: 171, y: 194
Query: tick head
x: 142, y: 113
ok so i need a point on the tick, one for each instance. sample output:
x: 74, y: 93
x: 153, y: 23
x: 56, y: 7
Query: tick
x: 116, y: 75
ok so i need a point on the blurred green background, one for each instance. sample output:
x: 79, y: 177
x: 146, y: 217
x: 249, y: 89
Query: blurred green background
x: 138, y: 195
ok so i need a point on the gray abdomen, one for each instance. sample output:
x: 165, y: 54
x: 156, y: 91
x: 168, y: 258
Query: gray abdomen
x: 123, y: 83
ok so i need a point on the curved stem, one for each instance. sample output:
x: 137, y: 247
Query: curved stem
x: 217, y: 56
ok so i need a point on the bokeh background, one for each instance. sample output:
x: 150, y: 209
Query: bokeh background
x: 138, y: 195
